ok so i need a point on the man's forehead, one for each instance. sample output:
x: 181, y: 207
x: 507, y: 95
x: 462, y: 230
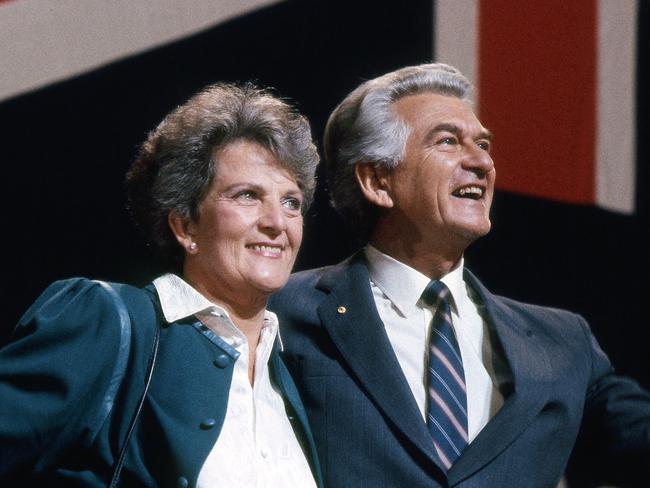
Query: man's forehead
x: 435, y: 112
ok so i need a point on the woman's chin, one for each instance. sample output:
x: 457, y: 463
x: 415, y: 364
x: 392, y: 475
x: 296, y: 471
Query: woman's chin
x: 269, y: 286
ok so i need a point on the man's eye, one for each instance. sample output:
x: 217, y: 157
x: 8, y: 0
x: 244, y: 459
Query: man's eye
x: 292, y: 203
x: 448, y: 141
x: 485, y: 145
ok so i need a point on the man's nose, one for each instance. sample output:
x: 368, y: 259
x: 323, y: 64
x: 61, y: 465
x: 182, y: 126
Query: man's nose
x: 478, y: 160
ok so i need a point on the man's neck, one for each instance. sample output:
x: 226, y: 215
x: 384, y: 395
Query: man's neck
x: 430, y: 262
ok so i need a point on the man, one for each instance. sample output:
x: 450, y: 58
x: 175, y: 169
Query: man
x: 412, y: 372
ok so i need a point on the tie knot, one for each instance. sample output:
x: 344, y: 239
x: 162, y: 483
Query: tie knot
x: 435, y: 292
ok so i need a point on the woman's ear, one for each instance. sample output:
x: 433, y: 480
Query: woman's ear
x: 374, y: 183
x: 183, y: 229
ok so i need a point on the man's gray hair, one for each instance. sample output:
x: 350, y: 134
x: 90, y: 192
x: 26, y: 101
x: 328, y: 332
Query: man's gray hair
x: 364, y: 128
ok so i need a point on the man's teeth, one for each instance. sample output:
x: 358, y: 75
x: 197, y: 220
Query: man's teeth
x: 473, y: 191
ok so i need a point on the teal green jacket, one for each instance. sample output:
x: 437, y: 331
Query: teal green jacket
x: 71, y: 378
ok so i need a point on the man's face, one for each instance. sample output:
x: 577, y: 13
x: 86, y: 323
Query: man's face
x: 442, y: 189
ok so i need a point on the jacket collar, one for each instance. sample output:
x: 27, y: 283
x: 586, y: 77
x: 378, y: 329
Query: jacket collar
x: 350, y: 317
x: 526, y: 392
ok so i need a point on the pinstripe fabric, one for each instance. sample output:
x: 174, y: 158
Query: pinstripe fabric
x: 446, y: 392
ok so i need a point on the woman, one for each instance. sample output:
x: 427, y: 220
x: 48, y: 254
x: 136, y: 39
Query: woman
x: 219, y: 187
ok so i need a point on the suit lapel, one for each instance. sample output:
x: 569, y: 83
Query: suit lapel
x: 530, y: 374
x: 350, y: 316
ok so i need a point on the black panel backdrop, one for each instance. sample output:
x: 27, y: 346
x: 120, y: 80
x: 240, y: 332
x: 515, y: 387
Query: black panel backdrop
x: 65, y: 150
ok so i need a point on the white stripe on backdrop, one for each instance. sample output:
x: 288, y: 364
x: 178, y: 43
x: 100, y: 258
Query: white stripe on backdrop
x: 456, y: 30
x: 616, y: 92
x: 43, y: 41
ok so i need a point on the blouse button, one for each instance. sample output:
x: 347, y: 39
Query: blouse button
x: 208, y: 423
x: 182, y: 482
x: 221, y: 361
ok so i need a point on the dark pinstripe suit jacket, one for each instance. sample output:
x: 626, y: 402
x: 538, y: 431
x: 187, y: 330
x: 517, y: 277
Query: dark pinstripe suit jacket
x: 370, y: 433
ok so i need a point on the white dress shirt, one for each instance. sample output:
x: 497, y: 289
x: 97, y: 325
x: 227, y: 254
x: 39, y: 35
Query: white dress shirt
x: 397, y: 289
x: 257, y: 446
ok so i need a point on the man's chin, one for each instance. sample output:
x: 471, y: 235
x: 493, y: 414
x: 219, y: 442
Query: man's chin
x: 475, y: 231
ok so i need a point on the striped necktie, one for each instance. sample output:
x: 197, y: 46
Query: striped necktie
x: 446, y: 395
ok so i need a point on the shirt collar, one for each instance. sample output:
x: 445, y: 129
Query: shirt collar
x: 179, y: 300
x: 404, y: 285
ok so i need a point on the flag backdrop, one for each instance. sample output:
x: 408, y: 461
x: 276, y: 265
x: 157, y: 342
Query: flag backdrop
x: 560, y: 83
x: 559, y: 78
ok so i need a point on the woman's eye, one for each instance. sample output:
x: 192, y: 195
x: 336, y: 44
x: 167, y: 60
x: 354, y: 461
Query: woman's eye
x: 292, y: 203
x: 246, y: 195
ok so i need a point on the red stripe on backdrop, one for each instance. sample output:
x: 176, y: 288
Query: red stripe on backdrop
x: 537, y: 94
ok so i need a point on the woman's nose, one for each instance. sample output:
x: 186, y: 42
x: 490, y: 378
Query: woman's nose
x: 273, y: 217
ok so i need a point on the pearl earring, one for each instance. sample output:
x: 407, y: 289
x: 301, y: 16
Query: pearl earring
x: 193, y: 246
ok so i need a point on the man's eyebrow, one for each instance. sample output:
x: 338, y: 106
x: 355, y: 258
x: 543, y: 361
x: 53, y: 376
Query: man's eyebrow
x: 444, y: 127
x: 485, y: 134
x: 456, y: 130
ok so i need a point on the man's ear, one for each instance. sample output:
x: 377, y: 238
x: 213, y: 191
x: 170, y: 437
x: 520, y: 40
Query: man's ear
x: 374, y: 183
x: 183, y: 229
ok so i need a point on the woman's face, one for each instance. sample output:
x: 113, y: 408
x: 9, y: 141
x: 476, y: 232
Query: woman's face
x: 249, y: 227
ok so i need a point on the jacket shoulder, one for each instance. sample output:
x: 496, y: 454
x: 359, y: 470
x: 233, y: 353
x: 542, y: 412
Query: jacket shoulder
x: 302, y: 280
x: 64, y: 351
x: 559, y: 328
x: 536, y: 310
x: 299, y: 295
x: 303, y: 293
x: 509, y: 306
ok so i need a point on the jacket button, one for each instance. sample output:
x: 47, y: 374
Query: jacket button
x: 208, y: 423
x: 182, y: 482
x: 221, y: 361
